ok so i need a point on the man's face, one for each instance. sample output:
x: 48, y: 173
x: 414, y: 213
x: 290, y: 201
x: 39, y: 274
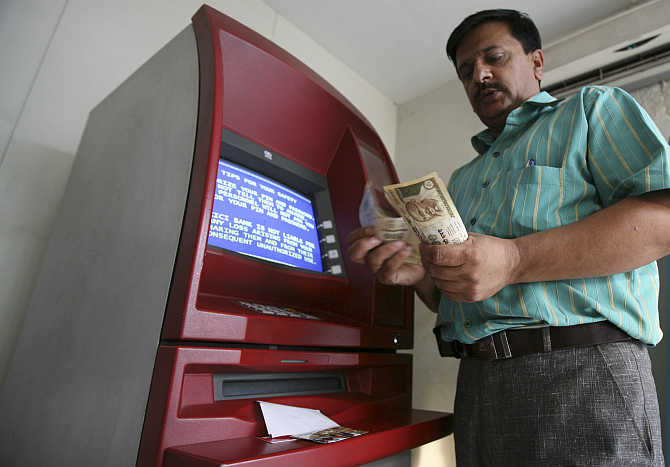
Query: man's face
x: 498, y: 76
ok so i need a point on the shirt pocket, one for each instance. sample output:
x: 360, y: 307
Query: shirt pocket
x: 540, y: 197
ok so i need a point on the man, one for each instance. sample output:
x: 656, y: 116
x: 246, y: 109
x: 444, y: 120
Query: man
x: 552, y: 300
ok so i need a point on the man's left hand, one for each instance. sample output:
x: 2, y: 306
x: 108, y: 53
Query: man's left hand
x: 473, y: 270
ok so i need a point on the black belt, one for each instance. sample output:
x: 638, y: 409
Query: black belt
x: 523, y: 341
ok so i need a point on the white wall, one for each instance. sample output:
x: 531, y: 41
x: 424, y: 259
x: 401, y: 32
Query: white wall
x: 59, y: 59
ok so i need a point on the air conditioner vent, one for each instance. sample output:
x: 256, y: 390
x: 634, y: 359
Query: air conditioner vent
x: 636, y: 45
x: 630, y: 73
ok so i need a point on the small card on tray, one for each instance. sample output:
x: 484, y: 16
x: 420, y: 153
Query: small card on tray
x: 285, y: 422
x: 331, y: 435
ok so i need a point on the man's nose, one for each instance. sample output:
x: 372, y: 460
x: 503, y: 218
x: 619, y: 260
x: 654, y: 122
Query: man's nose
x: 482, y: 73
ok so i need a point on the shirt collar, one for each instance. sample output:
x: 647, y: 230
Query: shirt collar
x: 542, y: 98
x: 483, y: 140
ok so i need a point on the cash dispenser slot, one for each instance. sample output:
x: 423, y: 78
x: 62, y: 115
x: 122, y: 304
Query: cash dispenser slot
x: 263, y: 385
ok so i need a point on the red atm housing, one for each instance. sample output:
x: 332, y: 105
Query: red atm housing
x: 255, y: 93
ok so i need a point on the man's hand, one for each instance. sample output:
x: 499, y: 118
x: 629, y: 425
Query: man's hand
x: 473, y: 270
x: 385, y: 260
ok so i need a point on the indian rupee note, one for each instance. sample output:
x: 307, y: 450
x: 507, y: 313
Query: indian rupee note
x: 427, y: 208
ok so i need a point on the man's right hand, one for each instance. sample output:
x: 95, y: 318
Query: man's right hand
x: 385, y: 260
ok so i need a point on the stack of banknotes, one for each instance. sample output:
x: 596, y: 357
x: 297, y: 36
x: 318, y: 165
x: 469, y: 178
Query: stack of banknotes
x: 419, y: 210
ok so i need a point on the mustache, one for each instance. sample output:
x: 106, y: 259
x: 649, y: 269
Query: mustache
x: 481, y: 87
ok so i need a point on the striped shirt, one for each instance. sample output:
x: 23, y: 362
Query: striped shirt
x: 556, y: 162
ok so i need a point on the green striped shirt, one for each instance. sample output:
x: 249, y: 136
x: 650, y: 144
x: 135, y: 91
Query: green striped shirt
x: 556, y: 162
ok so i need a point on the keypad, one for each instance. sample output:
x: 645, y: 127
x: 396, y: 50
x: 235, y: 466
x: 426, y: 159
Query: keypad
x: 276, y: 311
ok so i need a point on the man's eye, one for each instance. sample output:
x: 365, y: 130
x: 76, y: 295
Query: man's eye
x: 495, y: 58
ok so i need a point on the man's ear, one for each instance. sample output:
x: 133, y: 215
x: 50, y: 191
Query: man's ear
x: 537, y: 58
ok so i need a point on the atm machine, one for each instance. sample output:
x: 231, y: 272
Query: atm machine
x: 197, y: 266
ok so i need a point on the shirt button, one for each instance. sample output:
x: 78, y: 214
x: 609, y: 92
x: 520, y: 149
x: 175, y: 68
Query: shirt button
x: 485, y: 184
x: 496, y: 154
x: 473, y: 221
x: 467, y: 324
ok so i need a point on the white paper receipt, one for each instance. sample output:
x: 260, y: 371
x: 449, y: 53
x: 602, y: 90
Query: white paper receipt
x: 286, y: 420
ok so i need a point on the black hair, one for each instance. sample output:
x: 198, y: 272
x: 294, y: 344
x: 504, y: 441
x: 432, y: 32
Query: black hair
x: 520, y: 26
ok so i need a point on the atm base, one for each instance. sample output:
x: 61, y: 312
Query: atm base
x: 387, y: 440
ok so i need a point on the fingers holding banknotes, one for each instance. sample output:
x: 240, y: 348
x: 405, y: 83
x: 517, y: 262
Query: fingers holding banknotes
x: 467, y: 272
x: 473, y: 270
x: 360, y: 242
x: 385, y: 260
x: 462, y: 267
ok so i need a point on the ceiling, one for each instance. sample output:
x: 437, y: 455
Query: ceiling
x: 398, y: 45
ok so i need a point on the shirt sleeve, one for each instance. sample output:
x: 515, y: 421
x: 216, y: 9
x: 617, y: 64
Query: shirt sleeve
x: 626, y: 153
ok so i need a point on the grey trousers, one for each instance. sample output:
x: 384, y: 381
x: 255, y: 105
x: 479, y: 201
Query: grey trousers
x: 581, y: 406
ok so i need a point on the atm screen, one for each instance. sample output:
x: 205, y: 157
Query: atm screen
x: 256, y: 216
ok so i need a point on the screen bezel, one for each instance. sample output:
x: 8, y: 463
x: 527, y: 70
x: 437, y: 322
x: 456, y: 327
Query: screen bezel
x: 256, y: 158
